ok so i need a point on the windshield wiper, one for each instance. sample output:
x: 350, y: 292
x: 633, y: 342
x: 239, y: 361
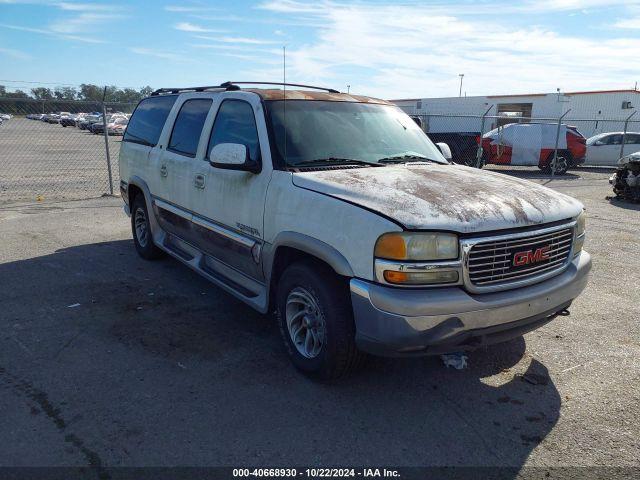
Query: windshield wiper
x: 334, y: 161
x: 406, y: 158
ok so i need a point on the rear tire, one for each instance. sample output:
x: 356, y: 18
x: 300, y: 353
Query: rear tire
x: 140, y: 227
x: 316, y: 321
x: 562, y: 164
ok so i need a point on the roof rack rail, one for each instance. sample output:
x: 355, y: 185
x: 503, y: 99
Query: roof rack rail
x: 230, y: 84
x: 191, y: 89
x: 234, y: 86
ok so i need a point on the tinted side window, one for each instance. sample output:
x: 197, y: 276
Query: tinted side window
x: 145, y: 125
x: 235, y: 123
x: 632, y: 138
x: 188, y: 126
x: 613, y: 140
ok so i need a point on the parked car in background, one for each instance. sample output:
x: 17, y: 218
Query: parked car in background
x: 533, y: 144
x: 5, y: 116
x: 117, y: 126
x: 88, y: 120
x: 605, y: 149
x: 98, y: 127
x: 430, y: 257
x: 68, y: 120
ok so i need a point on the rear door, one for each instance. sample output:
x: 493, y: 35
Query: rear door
x: 176, y: 157
x: 631, y: 143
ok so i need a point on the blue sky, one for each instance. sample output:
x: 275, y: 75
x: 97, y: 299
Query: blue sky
x: 387, y: 49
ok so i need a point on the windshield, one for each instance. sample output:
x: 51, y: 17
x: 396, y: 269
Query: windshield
x: 326, y: 132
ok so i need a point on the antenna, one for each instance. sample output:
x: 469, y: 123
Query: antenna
x: 284, y: 99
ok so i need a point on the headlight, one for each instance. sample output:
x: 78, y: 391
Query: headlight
x: 578, y: 241
x: 417, y: 246
x: 417, y: 258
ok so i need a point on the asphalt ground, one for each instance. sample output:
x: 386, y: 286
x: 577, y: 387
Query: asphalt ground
x: 45, y: 160
x: 108, y: 360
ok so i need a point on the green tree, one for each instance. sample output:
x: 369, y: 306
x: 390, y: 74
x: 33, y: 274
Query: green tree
x: 146, y: 91
x: 42, y: 93
x: 89, y: 92
x: 65, y: 93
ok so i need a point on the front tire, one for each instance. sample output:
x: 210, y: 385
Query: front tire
x: 141, y: 230
x: 316, y: 321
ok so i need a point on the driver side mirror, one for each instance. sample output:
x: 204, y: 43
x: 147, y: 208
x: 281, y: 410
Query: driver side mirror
x: 232, y: 156
x: 445, y: 150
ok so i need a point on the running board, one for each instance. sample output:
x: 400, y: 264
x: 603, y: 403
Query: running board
x: 239, y: 285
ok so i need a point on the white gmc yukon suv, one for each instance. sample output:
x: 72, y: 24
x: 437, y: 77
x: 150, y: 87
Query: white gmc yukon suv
x: 338, y: 212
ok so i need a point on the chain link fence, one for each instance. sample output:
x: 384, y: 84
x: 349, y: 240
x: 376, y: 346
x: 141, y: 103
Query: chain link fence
x: 554, y: 145
x: 59, y: 149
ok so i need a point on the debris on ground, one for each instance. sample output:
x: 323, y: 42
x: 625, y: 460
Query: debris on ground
x: 535, y: 379
x: 73, y: 305
x: 457, y: 360
x: 626, y: 179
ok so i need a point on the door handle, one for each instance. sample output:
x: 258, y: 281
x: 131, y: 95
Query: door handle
x: 199, y: 180
x: 163, y: 171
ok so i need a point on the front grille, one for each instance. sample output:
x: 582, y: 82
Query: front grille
x: 496, y: 262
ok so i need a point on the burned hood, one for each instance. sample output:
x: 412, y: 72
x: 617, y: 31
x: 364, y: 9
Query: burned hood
x: 446, y: 197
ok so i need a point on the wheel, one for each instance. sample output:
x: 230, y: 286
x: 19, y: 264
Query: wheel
x: 316, y: 321
x: 562, y: 164
x: 142, y: 231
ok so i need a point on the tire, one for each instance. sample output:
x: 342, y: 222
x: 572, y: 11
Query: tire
x: 563, y: 163
x: 329, y: 321
x: 141, y: 230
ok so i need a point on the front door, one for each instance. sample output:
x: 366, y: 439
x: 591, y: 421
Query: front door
x: 229, y: 206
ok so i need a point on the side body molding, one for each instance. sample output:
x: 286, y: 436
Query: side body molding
x: 310, y: 245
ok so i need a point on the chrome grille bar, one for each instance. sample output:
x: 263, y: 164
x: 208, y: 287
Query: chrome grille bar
x: 489, y: 262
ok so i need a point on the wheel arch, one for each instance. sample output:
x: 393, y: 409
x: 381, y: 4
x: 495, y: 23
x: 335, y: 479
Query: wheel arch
x: 290, y: 247
x: 137, y: 186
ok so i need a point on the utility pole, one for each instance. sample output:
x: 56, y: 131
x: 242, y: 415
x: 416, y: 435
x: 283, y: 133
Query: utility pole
x: 461, y: 75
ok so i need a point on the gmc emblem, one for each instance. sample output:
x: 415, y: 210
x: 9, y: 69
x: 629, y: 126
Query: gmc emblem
x: 529, y: 257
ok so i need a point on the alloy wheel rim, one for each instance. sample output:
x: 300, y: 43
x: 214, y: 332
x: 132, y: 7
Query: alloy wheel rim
x: 140, y: 223
x: 305, y: 322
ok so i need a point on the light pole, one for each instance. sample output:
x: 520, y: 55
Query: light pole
x: 348, y: 88
x: 461, y: 75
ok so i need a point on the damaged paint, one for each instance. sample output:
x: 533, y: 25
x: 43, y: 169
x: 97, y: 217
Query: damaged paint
x: 444, y: 197
x: 278, y: 94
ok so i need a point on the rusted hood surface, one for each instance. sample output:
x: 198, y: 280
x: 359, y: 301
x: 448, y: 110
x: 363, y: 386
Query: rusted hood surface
x: 448, y: 197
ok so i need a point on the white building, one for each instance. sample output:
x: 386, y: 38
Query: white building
x: 592, y: 112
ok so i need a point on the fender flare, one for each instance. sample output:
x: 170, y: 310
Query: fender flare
x: 309, y: 245
x: 142, y: 185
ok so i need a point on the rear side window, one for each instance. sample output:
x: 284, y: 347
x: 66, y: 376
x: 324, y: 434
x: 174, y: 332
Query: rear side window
x: 188, y: 126
x: 632, y: 138
x: 148, y: 119
x: 235, y: 123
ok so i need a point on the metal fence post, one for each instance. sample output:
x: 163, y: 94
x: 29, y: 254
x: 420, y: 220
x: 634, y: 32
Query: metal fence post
x: 555, y: 150
x: 624, y: 135
x: 106, y: 140
x: 479, y: 151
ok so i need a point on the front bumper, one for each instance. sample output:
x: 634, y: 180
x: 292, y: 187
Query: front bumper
x: 397, y: 322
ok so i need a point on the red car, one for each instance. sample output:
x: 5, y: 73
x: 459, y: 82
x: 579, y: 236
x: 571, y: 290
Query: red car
x: 533, y: 144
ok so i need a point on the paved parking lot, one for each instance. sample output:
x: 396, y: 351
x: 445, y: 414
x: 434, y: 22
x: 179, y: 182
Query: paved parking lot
x: 42, y: 159
x: 108, y: 360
